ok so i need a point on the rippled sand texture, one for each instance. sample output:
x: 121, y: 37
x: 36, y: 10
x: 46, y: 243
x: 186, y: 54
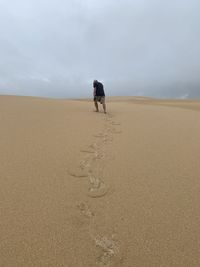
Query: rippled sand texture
x: 80, y: 188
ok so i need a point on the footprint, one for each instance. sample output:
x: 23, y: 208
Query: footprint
x: 107, y: 139
x: 98, y: 155
x: 85, y: 164
x: 87, y: 151
x: 100, y: 135
x: 109, y: 116
x: 94, y: 147
x: 109, y: 129
x: 116, y: 132
x: 78, y: 172
x: 97, y: 188
x: 85, y: 210
x: 115, y: 123
x: 97, y: 193
x: 95, y: 182
x: 109, y: 249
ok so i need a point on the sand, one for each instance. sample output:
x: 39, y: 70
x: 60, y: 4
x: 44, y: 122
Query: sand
x: 81, y: 189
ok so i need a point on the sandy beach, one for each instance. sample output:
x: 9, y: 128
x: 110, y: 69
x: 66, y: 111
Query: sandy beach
x: 85, y: 189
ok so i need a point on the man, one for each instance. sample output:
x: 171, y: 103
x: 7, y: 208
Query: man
x: 99, y: 95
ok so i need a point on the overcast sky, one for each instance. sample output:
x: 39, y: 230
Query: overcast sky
x: 135, y: 47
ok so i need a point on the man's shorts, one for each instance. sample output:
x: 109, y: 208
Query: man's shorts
x: 100, y: 99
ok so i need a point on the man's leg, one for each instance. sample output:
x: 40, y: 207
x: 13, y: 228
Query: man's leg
x: 104, y: 107
x: 96, y: 106
x: 103, y: 104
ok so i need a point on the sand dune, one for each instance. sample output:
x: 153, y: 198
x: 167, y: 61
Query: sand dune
x: 81, y: 189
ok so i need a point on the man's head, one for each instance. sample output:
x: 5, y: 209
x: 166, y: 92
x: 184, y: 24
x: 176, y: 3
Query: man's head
x: 95, y: 82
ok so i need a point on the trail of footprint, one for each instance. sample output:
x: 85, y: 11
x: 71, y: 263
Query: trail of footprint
x: 107, y: 247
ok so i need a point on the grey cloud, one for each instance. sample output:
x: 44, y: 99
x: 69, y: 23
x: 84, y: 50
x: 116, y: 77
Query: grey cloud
x: 56, y: 48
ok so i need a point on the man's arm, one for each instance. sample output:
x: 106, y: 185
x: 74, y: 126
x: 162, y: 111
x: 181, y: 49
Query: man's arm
x: 94, y: 92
